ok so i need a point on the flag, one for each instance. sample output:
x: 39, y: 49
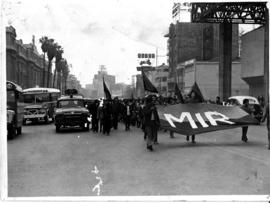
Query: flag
x: 106, y: 91
x: 197, y: 118
x: 195, y: 88
x: 147, y: 84
x: 178, y: 94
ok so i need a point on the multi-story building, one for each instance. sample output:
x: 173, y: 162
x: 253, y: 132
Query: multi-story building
x: 98, y: 81
x: 199, y: 41
x: 24, y: 65
x: 252, y: 60
x: 160, y: 79
x: 205, y: 73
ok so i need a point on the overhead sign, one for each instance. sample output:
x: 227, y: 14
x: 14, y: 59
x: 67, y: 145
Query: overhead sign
x: 146, y: 55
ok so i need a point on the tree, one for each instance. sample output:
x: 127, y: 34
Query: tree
x: 44, y: 47
x: 65, y: 71
x: 58, y: 65
x: 51, y: 54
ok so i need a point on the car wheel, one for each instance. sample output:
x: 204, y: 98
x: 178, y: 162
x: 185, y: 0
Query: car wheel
x: 11, y: 133
x: 57, y: 128
x: 19, y: 130
x: 87, y: 127
x: 46, y: 119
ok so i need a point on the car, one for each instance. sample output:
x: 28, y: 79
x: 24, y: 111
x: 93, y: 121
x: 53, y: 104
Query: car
x: 70, y: 111
x: 253, y: 101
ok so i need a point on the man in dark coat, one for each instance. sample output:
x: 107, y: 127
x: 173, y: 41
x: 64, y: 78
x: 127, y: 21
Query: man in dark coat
x: 94, y: 113
x: 107, y: 113
x: 115, y: 112
x: 193, y: 98
x: 127, y: 114
x: 151, y: 121
x: 266, y: 117
x: 246, y: 107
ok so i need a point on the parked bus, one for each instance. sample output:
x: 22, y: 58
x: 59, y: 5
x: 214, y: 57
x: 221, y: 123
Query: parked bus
x: 14, y: 109
x: 40, y: 103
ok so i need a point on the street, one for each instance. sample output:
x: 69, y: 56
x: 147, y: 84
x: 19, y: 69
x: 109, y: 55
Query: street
x: 42, y: 162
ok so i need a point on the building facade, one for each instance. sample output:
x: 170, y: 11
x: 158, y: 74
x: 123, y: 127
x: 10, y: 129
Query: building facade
x: 205, y: 74
x: 159, y: 78
x: 98, y: 81
x: 199, y: 41
x: 24, y: 65
x: 252, y: 59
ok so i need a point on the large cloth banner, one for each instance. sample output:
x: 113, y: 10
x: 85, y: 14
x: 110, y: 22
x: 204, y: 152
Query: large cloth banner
x: 188, y: 119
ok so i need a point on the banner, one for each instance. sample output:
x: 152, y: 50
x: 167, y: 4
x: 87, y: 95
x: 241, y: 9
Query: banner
x: 188, y: 119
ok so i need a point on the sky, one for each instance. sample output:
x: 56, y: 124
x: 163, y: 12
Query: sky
x: 95, y: 32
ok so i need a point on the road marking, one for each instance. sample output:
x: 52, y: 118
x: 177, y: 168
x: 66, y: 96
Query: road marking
x: 97, y: 186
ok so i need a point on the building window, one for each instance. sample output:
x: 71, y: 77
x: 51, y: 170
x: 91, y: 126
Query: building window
x: 164, y: 79
x: 164, y: 89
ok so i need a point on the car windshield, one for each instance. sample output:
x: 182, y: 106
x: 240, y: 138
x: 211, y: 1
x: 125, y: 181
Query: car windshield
x: 70, y: 103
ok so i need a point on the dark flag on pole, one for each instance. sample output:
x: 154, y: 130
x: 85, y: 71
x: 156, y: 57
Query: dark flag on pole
x: 106, y: 91
x: 195, y: 88
x: 147, y: 84
x: 178, y: 94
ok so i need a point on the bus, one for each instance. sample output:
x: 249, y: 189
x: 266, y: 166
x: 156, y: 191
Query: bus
x: 40, y: 103
x: 15, y: 109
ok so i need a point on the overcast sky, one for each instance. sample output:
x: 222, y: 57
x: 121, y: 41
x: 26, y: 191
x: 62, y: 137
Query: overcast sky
x: 95, y: 32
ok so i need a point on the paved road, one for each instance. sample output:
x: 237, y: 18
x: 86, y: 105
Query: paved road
x: 43, y: 163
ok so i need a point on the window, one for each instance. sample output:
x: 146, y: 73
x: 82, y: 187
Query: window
x: 164, y: 79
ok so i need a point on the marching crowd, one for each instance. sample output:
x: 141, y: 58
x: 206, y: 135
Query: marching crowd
x: 142, y: 113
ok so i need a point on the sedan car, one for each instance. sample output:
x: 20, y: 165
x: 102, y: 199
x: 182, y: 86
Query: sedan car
x: 253, y: 101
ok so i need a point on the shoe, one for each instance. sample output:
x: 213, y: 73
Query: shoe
x: 150, y: 148
x: 244, y: 139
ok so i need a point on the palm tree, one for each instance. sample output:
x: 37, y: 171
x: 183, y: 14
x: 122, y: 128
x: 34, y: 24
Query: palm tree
x: 65, y: 71
x: 51, y: 54
x: 58, y: 58
x: 44, y: 47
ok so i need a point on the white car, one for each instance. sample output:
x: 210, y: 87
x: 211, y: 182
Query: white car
x: 238, y: 100
x: 254, y: 103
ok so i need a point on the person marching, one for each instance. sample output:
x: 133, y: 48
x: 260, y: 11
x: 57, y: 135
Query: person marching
x: 151, y: 122
x: 266, y: 117
x: 100, y: 116
x: 94, y: 112
x: 127, y: 115
x: 195, y: 96
x: 115, y: 112
x: 246, y: 108
x: 107, y: 115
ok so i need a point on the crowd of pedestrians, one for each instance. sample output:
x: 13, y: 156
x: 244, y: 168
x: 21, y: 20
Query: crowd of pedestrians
x: 142, y: 113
